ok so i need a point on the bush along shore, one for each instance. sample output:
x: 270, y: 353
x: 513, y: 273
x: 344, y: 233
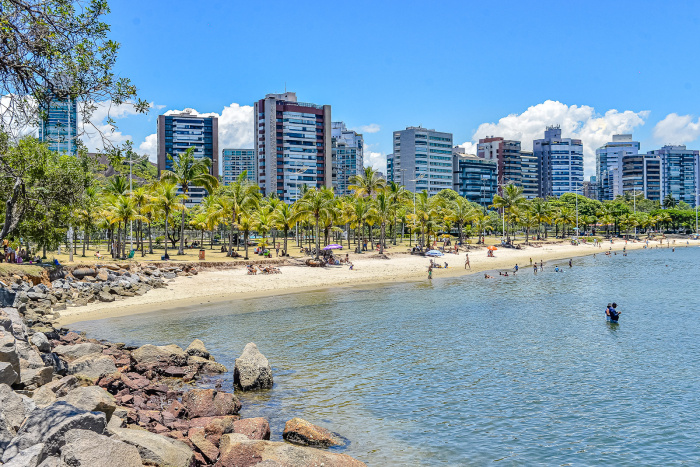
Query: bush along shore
x: 67, y: 400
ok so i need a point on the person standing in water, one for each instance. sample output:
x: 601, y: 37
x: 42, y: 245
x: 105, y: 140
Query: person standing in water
x: 614, y: 314
x: 570, y: 264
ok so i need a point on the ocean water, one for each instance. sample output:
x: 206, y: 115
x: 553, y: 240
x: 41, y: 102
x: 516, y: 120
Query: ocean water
x: 517, y: 370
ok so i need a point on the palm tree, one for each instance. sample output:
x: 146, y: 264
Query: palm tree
x: 245, y: 224
x: 541, y: 212
x: 263, y: 220
x: 510, y: 201
x: 427, y: 208
x: 188, y: 171
x: 86, y: 214
x: 383, y: 212
x: 123, y: 211
x: 398, y: 195
x: 670, y: 202
x: 316, y: 204
x: 481, y: 222
x: 240, y: 197
x: 141, y: 198
x: 285, y: 218
x: 368, y: 183
x: 461, y: 212
x: 166, y: 202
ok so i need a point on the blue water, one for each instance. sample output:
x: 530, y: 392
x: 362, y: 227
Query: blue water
x: 468, y: 371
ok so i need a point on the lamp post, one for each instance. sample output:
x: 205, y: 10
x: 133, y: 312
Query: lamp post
x: 131, y: 222
x: 422, y: 176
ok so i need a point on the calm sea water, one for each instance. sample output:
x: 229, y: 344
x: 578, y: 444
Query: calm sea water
x: 521, y: 370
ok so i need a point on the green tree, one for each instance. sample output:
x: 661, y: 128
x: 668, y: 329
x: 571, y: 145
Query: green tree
x: 240, y: 197
x: 316, y: 204
x: 368, y: 183
x: 167, y: 202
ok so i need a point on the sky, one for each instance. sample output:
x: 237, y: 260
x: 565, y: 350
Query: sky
x: 503, y: 68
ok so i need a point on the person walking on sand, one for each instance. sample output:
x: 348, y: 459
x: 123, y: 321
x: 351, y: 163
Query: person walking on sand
x: 466, y: 262
x: 530, y: 261
x: 430, y: 272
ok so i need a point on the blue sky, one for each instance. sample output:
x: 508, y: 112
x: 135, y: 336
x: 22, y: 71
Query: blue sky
x: 596, y: 68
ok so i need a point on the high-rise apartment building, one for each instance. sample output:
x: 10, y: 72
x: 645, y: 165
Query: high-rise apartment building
x: 473, y: 177
x: 652, y: 177
x: 422, y: 160
x: 560, y: 163
x: 59, y: 126
x: 515, y: 166
x: 610, y: 165
x: 347, y: 156
x: 292, y: 145
x: 679, y: 175
x: 179, y: 132
x: 234, y: 162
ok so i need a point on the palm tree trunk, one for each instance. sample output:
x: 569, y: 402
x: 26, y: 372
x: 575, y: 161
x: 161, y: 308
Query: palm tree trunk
x: 165, y: 240
x: 181, y: 251
x: 286, y: 233
x: 381, y: 239
x: 318, y: 239
x: 84, y: 240
x: 245, y: 240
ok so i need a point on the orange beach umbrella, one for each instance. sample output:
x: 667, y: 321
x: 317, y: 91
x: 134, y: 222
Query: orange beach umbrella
x: 492, y: 248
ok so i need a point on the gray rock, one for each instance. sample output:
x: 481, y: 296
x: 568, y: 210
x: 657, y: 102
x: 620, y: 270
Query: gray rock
x: 252, y: 370
x: 92, y: 366
x: 105, y: 297
x: 150, y: 354
x: 28, y: 356
x: 53, y: 462
x: 8, y: 351
x: 49, y: 426
x: 7, y: 373
x: 51, y: 359
x: 36, y: 295
x: 49, y: 393
x: 14, y: 407
x: 33, y: 378
x: 197, y: 349
x: 92, y: 399
x: 205, y: 366
x: 73, y: 352
x: 82, y: 273
x: 41, y: 341
x: 157, y: 449
x: 29, y: 457
x: 89, y: 449
x: 6, y: 434
x: 238, y: 452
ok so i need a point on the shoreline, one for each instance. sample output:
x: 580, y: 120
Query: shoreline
x: 206, y: 287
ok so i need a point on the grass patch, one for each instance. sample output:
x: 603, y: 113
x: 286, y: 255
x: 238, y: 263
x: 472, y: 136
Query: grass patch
x: 7, y: 270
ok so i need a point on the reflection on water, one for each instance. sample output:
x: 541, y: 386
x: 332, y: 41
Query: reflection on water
x: 468, y: 371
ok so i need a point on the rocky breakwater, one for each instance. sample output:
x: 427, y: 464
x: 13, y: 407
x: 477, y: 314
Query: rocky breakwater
x: 69, y: 400
x: 83, y: 285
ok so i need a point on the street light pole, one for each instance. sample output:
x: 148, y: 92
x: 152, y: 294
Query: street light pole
x: 131, y: 222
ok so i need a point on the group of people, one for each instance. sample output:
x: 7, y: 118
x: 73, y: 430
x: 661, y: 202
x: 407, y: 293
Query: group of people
x: 611, y: 312
x: 10, y: 254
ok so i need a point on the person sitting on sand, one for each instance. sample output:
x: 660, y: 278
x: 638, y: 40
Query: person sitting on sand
x: 98, y: 255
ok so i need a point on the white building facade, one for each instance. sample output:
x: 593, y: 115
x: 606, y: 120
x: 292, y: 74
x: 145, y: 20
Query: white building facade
x: 422, y: 160
x: 348, y: 156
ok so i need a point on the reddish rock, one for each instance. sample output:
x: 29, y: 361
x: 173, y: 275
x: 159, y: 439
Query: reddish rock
x: 160, y: 429
x: 210, y: 403
x: 176, y: 408
x: 127, y: 399
x: 71, y: 337
x: 134, y: 381
x: 253, y: 428
x: 252, y: 452
x: 299, y: 431
x: 175, y: 371
x: 203, y: 445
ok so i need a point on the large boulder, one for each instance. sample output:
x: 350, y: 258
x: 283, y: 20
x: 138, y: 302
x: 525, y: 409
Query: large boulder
x: 49, y: 393
x: 8, y: 351
x: 81, y: 273
x: 49, y: 426
x: 33, y: 378
x: 93, y: 399
x: 252, y: 370
x: 236, y: 453
x: 30, y: 457
x: 210, y: 403
x: 14, y: 407
x: 92, y: 367
x: 156, y: 449
x: 85, y: 448
x: 197, y: 437
x: 41, y: 342
x: 207, y: 367
x: 252, y: 428
x: 197, y: 349
x: 75, y: 351
x: 7, y: 373
x: 164, y: 354
x: 6, y: 434
x: 299, y: 431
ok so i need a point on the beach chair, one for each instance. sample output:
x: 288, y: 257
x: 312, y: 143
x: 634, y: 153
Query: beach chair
x: 131, y: 254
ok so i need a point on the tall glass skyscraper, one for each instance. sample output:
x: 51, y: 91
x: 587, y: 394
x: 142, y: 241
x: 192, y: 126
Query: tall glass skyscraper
x: 679, y: 169
x: 560, y: 163
x: 234, y: 162
x: 59, y: 126
x: 347, y: 156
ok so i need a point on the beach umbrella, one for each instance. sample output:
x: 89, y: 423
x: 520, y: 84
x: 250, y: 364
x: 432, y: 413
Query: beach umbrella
x: 333, y: 246
x: 434, y: 253
x: 492, y: 248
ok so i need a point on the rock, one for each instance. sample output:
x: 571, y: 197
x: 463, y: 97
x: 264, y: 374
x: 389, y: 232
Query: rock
x: 197, y: 349
x: 49, y: 426
x: 167, y: 354
x: 51, y: 359
x: 206, y: 366
x: 229, y: 438
x: 102, y: 275
x: 92, y: 366
x: 30, y: 457
x: 7, y: 374
x: 254, y: 452
x: 93, y: 399
x: 252, y: 428
x: 52, y: 462
x: 8, y: 352
x: 105, y: 297
x: 6, y: 434
x: 89, y: 449
x: 157, y: 449
x: 33, y: 378
x: 210, y: 403
x: 299, y: 431
x: 252, y: 370
x: 75, y: 351
x: 41, y: 341
x: 14, y: 407
x: 49, y: 393
x: 203, y: 445
x: 81, y: 273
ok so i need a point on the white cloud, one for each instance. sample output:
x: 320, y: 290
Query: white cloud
x: 150, y: 147
x: 374, y: 159
x: 95, y: 133
x: 469, y: 147
x: 371, y: 128
x: 581, y: 122
x: 677, y: 129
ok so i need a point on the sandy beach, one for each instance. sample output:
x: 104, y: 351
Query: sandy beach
x: 233, y: 284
